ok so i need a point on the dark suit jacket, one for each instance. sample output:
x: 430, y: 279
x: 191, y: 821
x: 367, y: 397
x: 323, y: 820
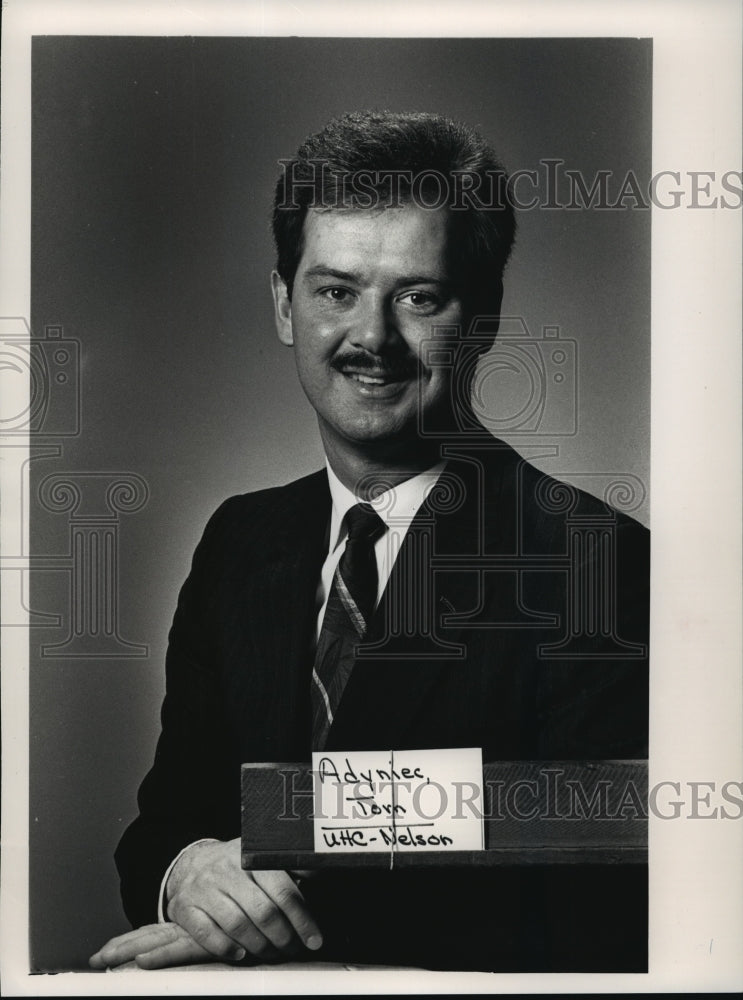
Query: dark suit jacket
x: 492, y: 663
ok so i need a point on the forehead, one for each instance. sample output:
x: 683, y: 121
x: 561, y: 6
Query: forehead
x: 409, y: 239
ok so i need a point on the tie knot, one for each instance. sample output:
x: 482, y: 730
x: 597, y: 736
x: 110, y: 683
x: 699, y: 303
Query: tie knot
x: 364, y: 523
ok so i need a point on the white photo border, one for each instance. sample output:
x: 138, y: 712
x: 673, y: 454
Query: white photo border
x: 696, y: 871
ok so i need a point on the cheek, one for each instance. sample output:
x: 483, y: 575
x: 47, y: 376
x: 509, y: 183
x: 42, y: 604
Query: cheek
x: 315, y: 335
x: 424, y: 337
x: 438, y: 384
x: 313, y: 351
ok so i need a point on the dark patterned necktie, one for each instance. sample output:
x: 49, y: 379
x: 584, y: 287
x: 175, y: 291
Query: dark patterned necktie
x: 347, y: 616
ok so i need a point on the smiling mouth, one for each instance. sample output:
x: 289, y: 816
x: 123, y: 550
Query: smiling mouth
x: 379, y: 386
x: 378, y: 379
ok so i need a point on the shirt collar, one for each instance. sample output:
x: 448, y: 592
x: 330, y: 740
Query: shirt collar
x: 397, y: 506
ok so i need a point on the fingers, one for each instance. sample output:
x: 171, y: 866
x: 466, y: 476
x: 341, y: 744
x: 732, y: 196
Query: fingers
x: 282, y: 891
x: 223, y: 928
x: 182, y: 951
x: 220, y: 911
x: 226, y: 909
x: 126, y: 947
x: 246, y: 918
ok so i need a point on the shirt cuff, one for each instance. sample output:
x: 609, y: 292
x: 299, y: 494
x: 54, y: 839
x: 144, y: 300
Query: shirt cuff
x: 161, y: 918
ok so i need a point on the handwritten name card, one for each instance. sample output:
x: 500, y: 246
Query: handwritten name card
x: 401, y: 800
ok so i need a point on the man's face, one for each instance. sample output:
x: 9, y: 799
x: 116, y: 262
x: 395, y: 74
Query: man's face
x: 369, y: 289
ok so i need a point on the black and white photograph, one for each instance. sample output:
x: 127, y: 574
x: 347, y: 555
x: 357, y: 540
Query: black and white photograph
x: 371, y: 542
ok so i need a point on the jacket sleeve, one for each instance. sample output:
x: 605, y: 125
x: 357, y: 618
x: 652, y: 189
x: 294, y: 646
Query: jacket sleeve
x: 192, y: 789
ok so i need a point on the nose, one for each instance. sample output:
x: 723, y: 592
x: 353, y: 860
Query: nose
x: 373, y: 325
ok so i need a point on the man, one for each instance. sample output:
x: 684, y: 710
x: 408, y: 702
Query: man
x: 392, y: 232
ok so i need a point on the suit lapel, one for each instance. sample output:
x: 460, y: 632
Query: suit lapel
x: 393, y: 687
x: 410, y: 646
x: 278, y: 616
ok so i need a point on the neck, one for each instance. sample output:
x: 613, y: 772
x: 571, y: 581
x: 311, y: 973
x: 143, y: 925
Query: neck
x: 366, y: 467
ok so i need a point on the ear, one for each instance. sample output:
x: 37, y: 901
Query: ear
x: 282, y: 306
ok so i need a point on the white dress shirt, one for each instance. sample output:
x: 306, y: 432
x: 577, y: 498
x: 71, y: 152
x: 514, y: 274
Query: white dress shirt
x: 397, y: 507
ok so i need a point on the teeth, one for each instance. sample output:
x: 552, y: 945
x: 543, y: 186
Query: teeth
x: 367, y: 379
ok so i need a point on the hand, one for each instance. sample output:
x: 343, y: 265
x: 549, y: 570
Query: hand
x: 230, y: 912
x: 153, y: 946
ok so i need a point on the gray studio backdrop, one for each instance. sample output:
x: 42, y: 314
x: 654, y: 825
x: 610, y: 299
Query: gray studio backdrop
x: 153, y: 166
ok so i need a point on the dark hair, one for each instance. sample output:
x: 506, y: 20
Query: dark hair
x: 380, y: 159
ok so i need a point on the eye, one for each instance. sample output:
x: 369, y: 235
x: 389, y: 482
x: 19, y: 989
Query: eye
x: 421, y: 301
x: 335, y: 293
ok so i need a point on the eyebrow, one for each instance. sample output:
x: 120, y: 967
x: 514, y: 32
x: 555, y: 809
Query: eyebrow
x: 320, y: 271
x: 329, y: 272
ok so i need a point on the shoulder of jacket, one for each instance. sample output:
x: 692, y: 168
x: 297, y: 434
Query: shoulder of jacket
x: 551, y: 496
x: 272, y: 498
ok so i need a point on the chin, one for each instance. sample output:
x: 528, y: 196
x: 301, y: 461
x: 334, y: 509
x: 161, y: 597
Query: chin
x: 396, y: 447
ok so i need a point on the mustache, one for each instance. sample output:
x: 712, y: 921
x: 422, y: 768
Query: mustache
x: 398, y: 367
